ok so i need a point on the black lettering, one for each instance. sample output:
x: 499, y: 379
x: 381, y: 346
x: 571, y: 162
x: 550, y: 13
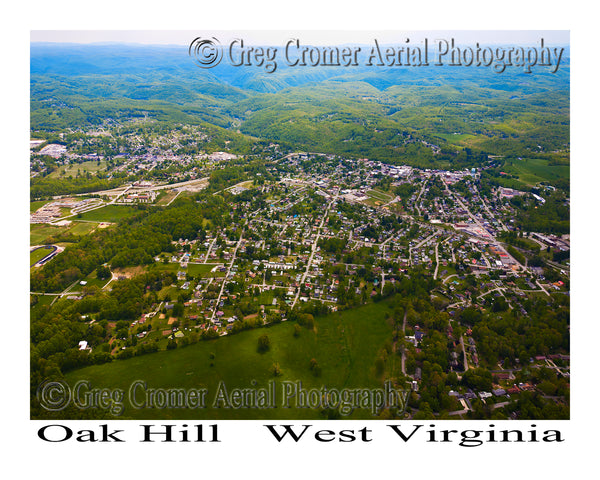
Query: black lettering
x: 347, y: 434
x: 320, y: 433
x: 42, y: 433
x: 166, y: 433
x: 288, y: 429
x: 399, y: 432
x: 107, y: 437
x: 86, y: 436
x: 363, y: 435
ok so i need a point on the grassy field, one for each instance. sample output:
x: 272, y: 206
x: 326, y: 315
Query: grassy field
x: 192, y: 268
x: 37, y: 255
x: 166, y: 197
x: 33, y: 206
x: 42, y: 301
x: 93, y: 281
x: 110, y: 213
x: 379, y: 195
x: 39, y: 232
x: 82, y: 228
x: 91, y: 166
x: 457, y: 139
x: 345, y: 345
x: 534, y: 170
x: 199, y: 268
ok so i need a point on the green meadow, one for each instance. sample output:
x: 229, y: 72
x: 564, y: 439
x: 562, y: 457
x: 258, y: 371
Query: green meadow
x: 40, y: 232
x: 531, y: 171
x: 82, y: 228
x: 110, y: 213
x: 37, y: 254
x: 74, y: 169
x: 33, y: 206
x: 345, y: 346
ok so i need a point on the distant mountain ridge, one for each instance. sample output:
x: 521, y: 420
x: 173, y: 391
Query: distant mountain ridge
x: 383, y: 112
x: 113, y: 59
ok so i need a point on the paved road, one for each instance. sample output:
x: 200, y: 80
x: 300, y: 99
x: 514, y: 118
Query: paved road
x: 419, y: 196
x: 118, y: 190
x: 499, y: 289
x: 226, y: 275
x: 437, y: 262
x: 403, y: 350
x: 173, y: 199
x: 209, y: 250
x: 492, y: 216
x: 314, y: 247
x: 486, y: 235
x: 543, y: 289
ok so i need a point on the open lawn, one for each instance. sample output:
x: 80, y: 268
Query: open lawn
x: 345, y: 345
x: 166, y: 197
x: 534, y: 170
x: 194, y: 269
x: 40, y: 232
x: 110, y: 213
x: 457, y: 139
x: 93, y: 281
x: 73, y: 169
x: 41, y: 301
x: 33, y: 206
x: 82, y: 228
x: 379, y: 195
x: 199, y: 268
x: 38, y: 254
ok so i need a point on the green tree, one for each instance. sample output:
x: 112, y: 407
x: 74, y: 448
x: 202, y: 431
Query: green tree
x: 264, y: 343
x: 103, y: 272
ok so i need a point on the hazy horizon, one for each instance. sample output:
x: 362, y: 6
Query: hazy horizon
x: 279, y: 37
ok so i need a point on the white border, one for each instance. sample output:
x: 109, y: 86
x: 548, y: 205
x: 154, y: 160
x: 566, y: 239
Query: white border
x: 250, y: 452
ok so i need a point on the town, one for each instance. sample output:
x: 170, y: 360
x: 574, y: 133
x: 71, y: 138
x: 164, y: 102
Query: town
x: 314, y: 233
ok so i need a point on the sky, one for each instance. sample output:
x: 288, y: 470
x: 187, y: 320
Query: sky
x: 313, y: 37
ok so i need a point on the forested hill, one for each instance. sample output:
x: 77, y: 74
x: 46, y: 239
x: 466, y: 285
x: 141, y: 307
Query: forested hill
x: 383, y: 113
